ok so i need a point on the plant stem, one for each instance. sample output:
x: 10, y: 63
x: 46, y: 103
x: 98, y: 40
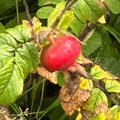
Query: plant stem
x: 67, y: 7
x: 27, y: 12
x: 17, y: 11
x: 89, y: 27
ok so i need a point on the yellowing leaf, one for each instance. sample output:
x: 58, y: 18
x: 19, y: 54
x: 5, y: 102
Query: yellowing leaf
x: 80, y: 59
x: 86, y: 84
x: 98, y: 73
x: 56, y: 12
x: 79, y: 116
x: 101, y: 116
x: 97, y: 99
x: 66, y: 20
x: 102, y: 19
x: 37, y: 25
x: 114, y: 113
x: 112, y: 86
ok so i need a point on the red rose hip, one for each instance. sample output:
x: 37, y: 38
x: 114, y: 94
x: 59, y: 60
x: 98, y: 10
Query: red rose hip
x: 60, y: 55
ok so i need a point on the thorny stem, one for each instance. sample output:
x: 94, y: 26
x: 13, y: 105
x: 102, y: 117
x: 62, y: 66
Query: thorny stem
x: 67, y: 7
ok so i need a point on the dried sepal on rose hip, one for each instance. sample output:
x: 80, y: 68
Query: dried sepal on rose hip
x: 60, y: 53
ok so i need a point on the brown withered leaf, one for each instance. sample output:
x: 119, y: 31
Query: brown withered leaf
x: 4, y: 113
x: 86, y: 61
x: 72, y: 96
x: 79, y: 70
x: 43, y: 34
x: 102, y: 107
x: 86, y: 114
x: 82, y: 71
x: 52, y: 77
x: 35, y: 28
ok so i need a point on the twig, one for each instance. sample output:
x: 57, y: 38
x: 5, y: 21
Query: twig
x: 17, y: 11
x: 67, y: 7
x: 27, y: 12
x: 89, y: 27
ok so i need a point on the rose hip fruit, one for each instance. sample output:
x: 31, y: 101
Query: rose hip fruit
x: 60, y: 55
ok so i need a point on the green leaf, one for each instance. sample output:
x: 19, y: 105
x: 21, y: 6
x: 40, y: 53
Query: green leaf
x: 60, y: 79
x: 66, y: 20
x: 98, y: 73
x: 107, y: 54
x: 46, y: 2
x: 114, y: 113
x: 2, y: 28
x: 29, y: 54
x: 112, y: 86
x: 20, y: 33
x: 22, y: 65
x: 86, y: 10
x: 53, y: 105
x: 56, y: 12
x: 112, y: 64
x: 4, y: 57
x: 92, y: 44
x: 116, y: 22
x: 13, y: 22
x: 44, y: 12
x: 6, y: 5
x: 7, y: 42
x: 113, y: 5
x: 77, y: 12
x: 58, y: 113
x: 16, y: 61
x: 113, y: 32
x: 76, y: 26
x: 91, y: 10
x: 97, y: 98
x: 11, y: 83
